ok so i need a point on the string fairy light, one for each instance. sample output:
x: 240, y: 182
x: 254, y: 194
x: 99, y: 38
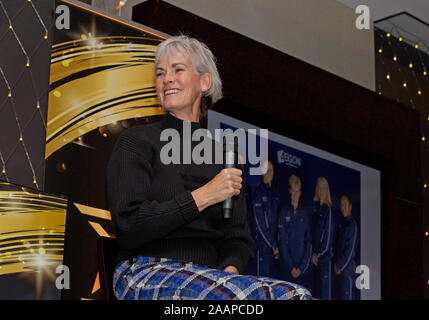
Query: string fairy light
x: 406, y: 61
x: 26, y: 68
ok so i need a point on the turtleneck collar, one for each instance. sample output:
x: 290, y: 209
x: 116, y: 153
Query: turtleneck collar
x: 171, y: 121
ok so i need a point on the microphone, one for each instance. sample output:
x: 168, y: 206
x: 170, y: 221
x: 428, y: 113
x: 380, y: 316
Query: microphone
x: 230, y: 160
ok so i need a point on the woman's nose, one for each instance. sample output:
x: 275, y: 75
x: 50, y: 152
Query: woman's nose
x: 169, y: 77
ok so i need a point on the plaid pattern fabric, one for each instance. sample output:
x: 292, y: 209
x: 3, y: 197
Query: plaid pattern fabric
x: 148, y: 278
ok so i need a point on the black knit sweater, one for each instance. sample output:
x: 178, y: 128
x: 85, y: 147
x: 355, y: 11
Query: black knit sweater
x: 154, y: 213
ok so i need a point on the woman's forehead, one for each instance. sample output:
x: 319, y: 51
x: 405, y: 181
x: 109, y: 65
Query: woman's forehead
x: 173, y: 56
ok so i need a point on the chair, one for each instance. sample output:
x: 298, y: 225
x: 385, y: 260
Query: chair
x: 107, y: 252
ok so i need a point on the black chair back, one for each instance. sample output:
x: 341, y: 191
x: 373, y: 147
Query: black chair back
x: 108, y: 249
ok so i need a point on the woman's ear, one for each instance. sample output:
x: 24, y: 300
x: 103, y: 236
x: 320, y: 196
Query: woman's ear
x: 205, y: 81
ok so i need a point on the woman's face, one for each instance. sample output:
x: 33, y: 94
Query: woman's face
x: 322, y: 191
x: 295, y: 193
x: 178, y: 86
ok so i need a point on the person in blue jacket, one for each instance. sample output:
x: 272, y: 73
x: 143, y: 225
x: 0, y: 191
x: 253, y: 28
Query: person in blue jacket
x: 294, y: 235
x: 347, y: 241
x: 265, y: 205
x: 323, y: 233
x: 252, y: 265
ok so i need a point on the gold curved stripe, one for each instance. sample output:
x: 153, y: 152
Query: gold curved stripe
x: 122, y: 86
x: 29, y: 265
x: 24, y: 193
x: 37, y: 218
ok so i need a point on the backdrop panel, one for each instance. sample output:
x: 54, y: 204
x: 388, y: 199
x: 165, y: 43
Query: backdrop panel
x: 361, y: 183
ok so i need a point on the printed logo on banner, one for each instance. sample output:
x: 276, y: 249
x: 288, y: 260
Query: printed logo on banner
x: 288, y: 159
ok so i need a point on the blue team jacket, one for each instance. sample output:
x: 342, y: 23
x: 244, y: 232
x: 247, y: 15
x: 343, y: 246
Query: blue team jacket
x: 347, y: 241
x: 294, y: 238
x: 323, y: 231
x: 265, y: 206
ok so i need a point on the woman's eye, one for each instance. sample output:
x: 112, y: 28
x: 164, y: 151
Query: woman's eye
x: 177, y: 70
x: 159, y: 74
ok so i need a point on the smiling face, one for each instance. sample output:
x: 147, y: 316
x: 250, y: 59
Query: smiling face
x: 295, y: 194
x: 346, y: 206
x: 322, y: 191
x: 178, y: 86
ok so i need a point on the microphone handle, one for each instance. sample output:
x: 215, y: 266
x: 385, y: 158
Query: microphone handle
x: 227, y: 206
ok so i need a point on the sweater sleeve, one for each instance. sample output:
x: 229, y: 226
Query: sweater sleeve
x: 136, y: 219
x: 237, y: 246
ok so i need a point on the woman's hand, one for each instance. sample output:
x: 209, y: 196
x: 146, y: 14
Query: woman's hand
x: 226, y: 184
x: 231, y: 269
x: 314, y: 259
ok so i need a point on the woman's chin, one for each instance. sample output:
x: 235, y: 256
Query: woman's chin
x: 170, y: 107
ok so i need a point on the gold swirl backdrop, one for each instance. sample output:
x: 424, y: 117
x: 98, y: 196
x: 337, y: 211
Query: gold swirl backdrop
x: 32, y: 228
x: 98, y: 81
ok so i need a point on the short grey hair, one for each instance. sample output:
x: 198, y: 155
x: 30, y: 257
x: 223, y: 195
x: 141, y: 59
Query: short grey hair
x: 203, y: 60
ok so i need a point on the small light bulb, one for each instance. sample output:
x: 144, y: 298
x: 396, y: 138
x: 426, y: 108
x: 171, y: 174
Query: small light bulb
x: 404, y: 84
x: 419, y: 92
x: 379, y: 92
x: 388, y: 77
x: 10, y: 94
x: 394, y: 58
x: 416, y: 46
x: 34, y: 181
x: 388, y: 35
x: 400, y: 39
x: 20, y: 139
x: 3, y: 171
x: 423, y: 138
x: 10, y: 27
x: 410, y: 65
x: 425, y: 186
x: 425, y: 73
x: 46, y: 36
x: 426, y: 233
x: 38, y: 106
x: 380, y: 50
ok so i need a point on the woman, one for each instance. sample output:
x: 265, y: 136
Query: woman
x: 294, y: 235
x: 323, y: 234
x: 168, y: 217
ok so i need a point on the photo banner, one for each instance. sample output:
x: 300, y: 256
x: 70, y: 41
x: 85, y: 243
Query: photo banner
x: 360, y: 183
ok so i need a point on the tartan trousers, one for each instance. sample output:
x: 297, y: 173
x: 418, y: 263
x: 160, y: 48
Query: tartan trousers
x: 149, y: 278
